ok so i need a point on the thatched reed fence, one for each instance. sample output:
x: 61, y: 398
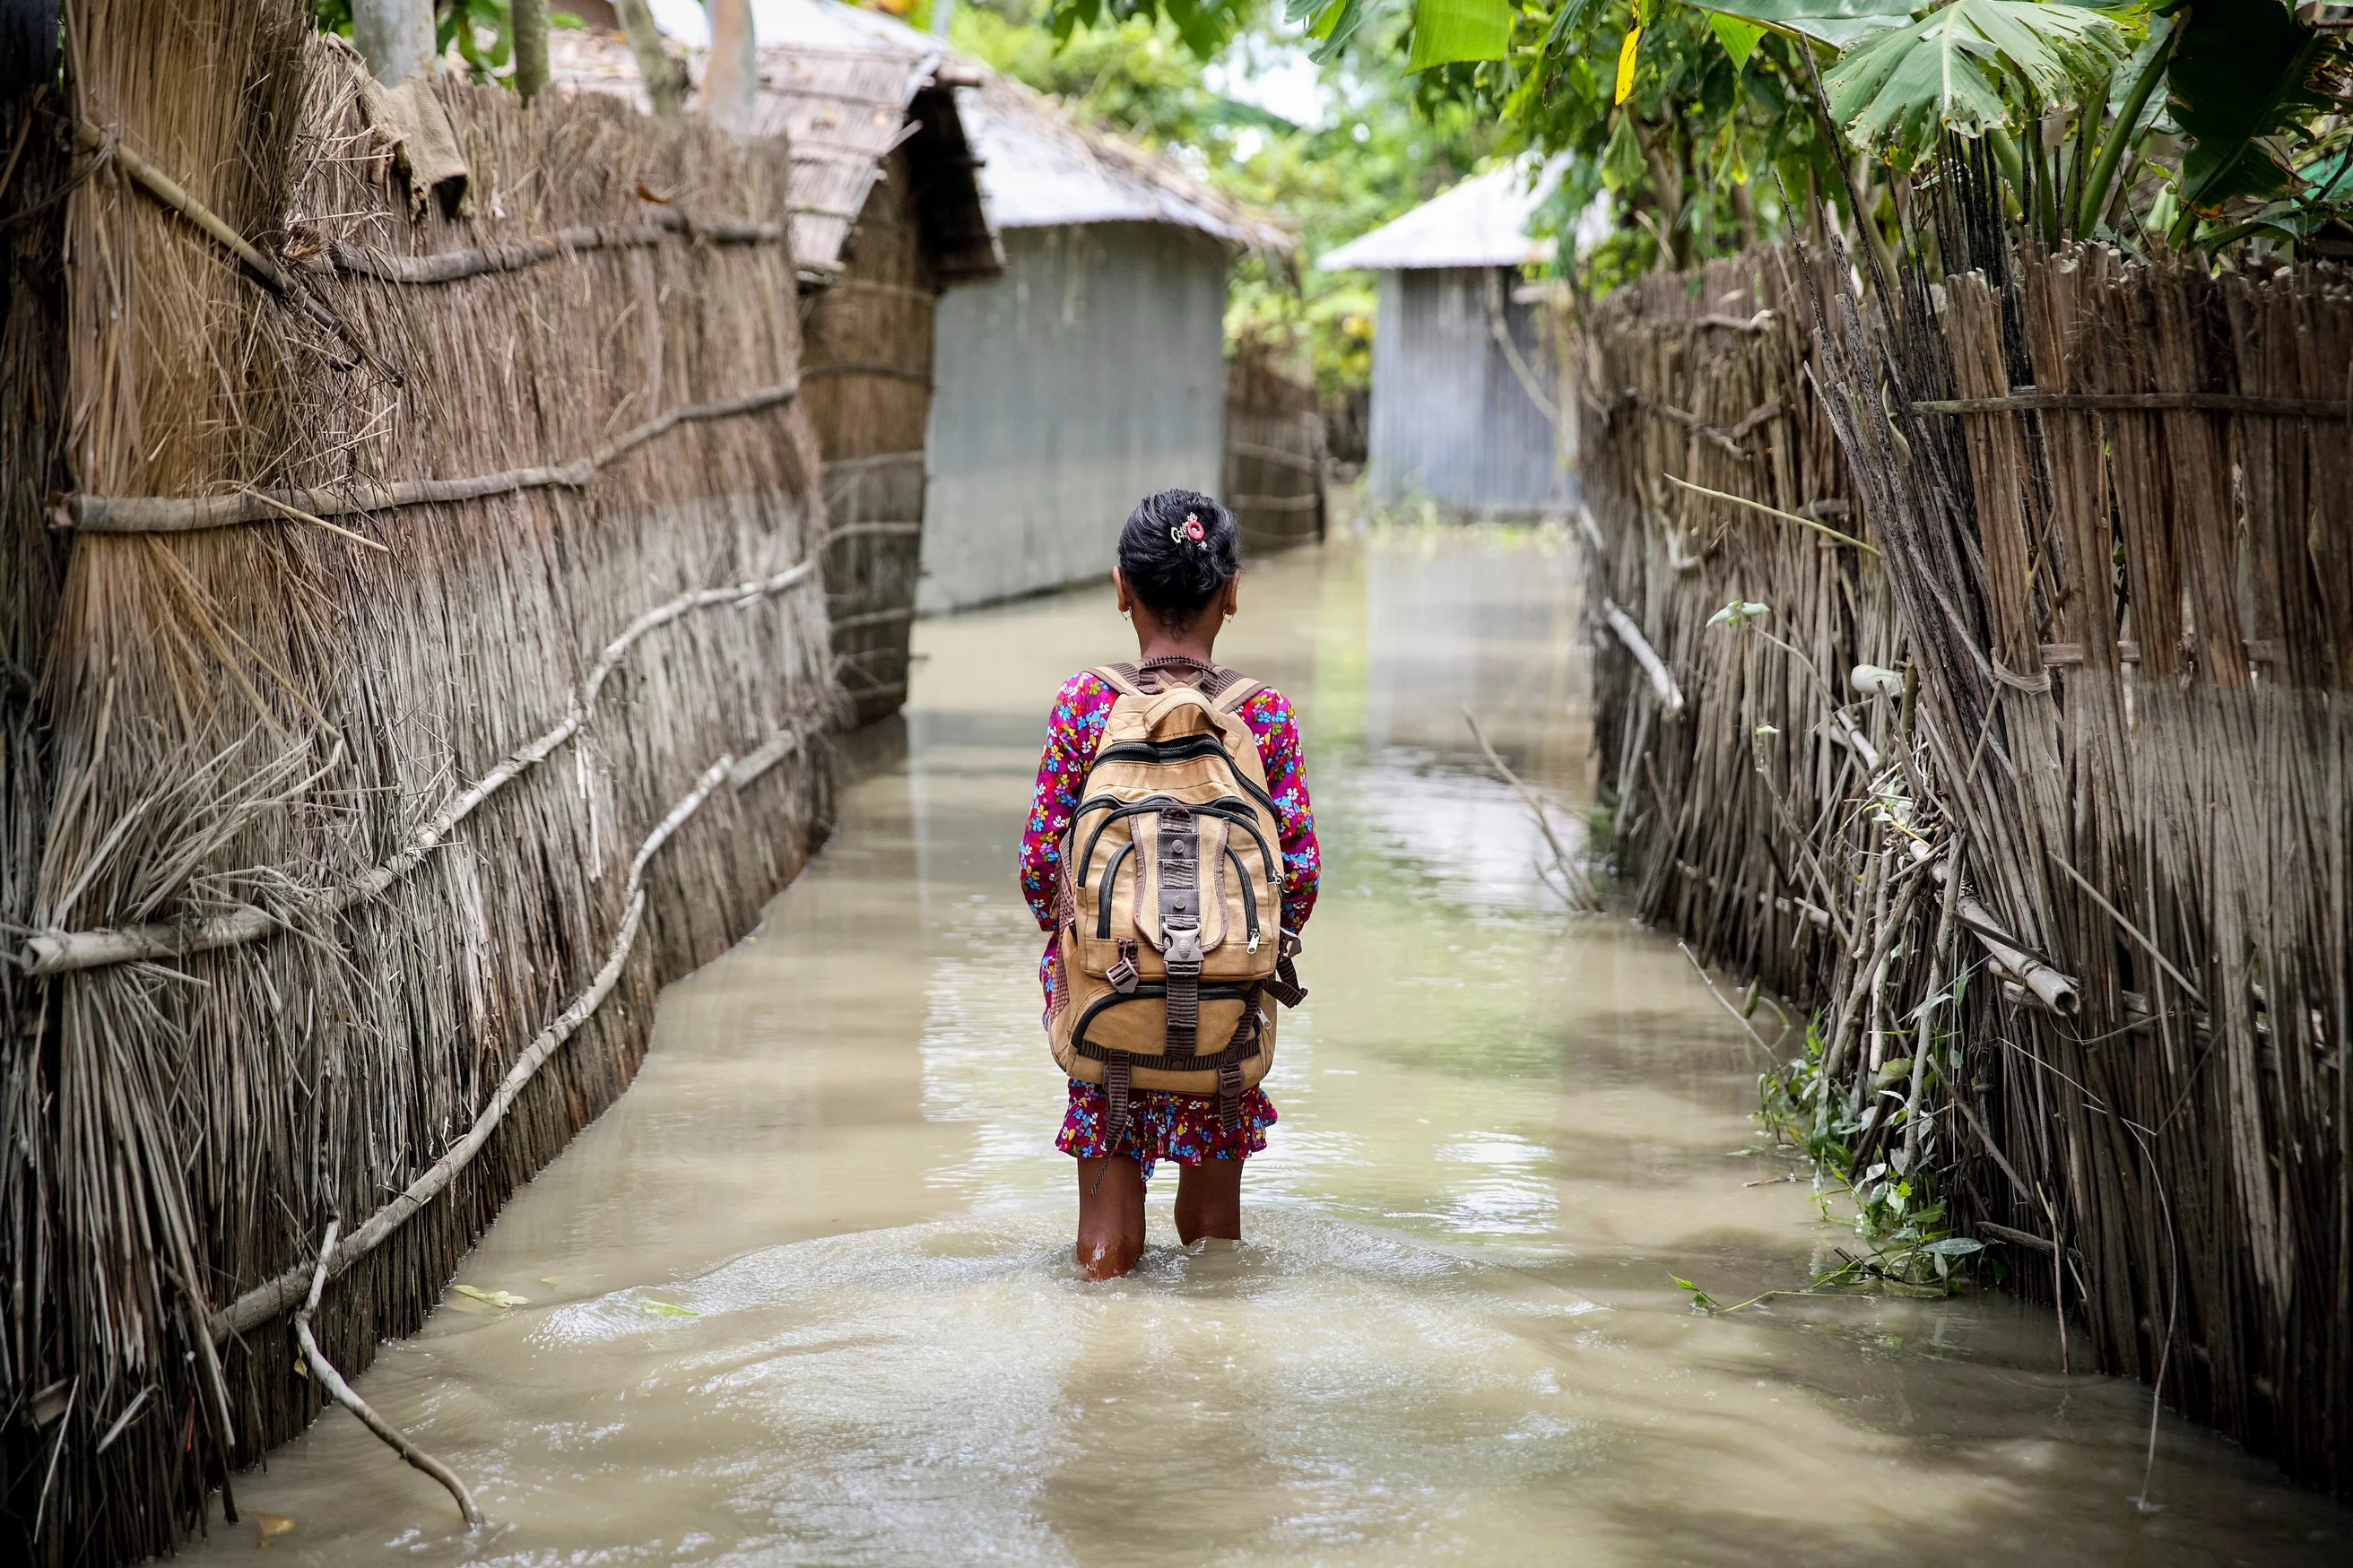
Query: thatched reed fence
x: 424, y: 663
x: 2063, y: 712
x: 1275, y: 460
x: 870, y: 376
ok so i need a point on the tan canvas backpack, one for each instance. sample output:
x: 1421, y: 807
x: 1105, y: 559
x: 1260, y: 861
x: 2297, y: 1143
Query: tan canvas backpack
x: 1170, y: 906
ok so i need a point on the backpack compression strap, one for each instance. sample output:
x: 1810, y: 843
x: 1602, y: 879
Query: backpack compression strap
x: 1179, y: 879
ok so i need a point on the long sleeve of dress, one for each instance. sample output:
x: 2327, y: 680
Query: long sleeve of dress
x: 1073, y: 730
x: 1269, y: 717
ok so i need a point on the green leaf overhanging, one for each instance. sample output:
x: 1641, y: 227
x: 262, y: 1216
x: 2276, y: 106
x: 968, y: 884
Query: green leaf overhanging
x: 1965, y: 67
x: 1446, y: 31
x: 1838, y: 23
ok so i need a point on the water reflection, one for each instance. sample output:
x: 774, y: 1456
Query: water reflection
x: 803, y: 1296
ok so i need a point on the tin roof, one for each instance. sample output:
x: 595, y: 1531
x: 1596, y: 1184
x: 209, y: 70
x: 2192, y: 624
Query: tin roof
x: 1482, y: 222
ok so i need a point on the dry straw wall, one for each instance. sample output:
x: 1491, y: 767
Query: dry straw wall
x: 2100, y: 524
x: 870, y: 373
x: 423, y: 668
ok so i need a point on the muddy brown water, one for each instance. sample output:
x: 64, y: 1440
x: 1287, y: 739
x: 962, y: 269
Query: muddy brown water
x: 805, y: 1295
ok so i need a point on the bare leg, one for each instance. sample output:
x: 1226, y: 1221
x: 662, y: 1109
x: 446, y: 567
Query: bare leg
x: 1111, y: 1217
x: 1210, y: 1201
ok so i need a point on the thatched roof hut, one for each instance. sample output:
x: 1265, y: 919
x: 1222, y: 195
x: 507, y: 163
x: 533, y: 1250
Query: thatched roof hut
x: 375, y: 751
x: 887, y: 213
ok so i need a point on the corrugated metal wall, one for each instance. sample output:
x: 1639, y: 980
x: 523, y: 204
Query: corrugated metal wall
x: 1090, y: 376
x: 1451, y: 422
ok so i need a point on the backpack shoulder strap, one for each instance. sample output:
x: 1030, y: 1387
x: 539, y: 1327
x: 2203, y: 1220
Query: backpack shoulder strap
x: 1238, y: 690
x: 1125, y: 679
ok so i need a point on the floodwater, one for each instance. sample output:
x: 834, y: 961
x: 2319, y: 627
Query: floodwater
x: 805, y: 1294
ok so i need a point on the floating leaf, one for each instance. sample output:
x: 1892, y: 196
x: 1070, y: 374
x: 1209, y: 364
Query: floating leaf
x: 495, y: 1297
x: 271, y: 1525
x: 667, y: 1310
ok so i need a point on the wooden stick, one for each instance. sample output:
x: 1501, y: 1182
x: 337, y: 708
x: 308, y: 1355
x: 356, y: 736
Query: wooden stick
x: 172, y: 194
x: 2210, y: 402
x: 451, y: 266
x: 298, y: 515
x: 1671, y: 697
x: 188, y: 514
x: 56, y: 951
x: 324, y: 1374
x: 1820, y: 527
x: 266, y: 1300
x: 2130, y: 929
x: 1741, y: 1018
x: 1569, y: 867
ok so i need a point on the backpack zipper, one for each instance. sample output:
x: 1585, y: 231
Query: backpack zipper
x: 1232, y: 808
x: 1110, y: 885
x: 1250, y: 897
x: 1182, y: 751
x: 1145, y: 992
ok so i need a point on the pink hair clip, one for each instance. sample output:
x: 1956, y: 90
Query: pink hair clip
x: 1191, y: 530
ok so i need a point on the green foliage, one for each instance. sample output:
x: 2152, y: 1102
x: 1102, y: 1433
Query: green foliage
x: 1393, y: 141
x: 465, y: 23
x: 1447, y: 31
x: 1837, y: 23
x: 2247, y: 80
x: 1897, y: 1216
x: 1970, y: 66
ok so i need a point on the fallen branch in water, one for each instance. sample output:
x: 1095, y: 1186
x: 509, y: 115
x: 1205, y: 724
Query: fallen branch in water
x: 328, y: 1378
x: 1580, y: 888
x: 1726, y: 1001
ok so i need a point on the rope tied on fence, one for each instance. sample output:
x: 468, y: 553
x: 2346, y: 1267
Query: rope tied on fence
x: 57, y: 951
x: 188, y: 514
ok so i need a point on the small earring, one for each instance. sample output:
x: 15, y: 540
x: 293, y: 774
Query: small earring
x: 1128, y: 616
x: 1230, y: 615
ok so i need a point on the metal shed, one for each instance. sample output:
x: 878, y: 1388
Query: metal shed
x: 1093, y: 371
x: 1458, y: 364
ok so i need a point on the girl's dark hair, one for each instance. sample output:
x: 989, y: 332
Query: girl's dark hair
x: 1174, y: 574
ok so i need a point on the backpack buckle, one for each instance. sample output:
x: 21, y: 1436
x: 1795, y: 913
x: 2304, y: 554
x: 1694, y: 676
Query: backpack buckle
x: 1122, y: 974
x: 1181, y: 947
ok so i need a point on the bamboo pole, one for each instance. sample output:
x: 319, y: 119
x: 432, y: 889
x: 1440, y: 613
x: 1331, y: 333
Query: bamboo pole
x: 188, y: 514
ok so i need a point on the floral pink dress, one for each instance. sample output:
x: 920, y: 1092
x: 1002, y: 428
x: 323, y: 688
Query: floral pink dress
x: 1163, y: 1126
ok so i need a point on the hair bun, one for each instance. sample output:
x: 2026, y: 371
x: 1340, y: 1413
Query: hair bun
x: 1178, y: 551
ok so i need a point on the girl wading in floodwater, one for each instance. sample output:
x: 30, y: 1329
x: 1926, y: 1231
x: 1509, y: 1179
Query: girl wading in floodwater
x: 1171, y: 855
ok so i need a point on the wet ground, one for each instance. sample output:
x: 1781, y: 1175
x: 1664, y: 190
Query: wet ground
x: 805, y: 1295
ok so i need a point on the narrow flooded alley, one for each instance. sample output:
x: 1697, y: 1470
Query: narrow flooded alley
x: 805, y: 1294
